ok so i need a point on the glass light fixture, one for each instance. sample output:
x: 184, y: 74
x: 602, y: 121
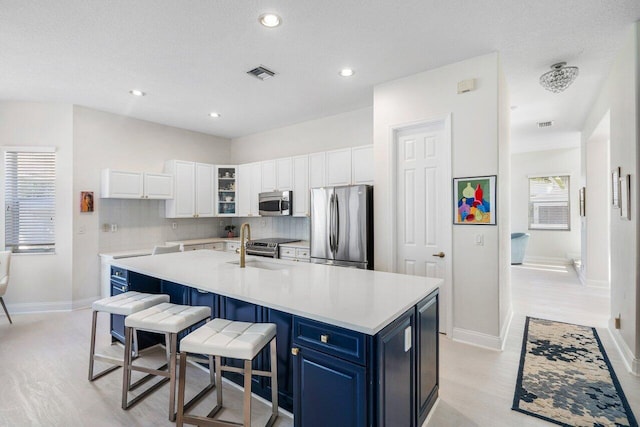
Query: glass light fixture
x: 559, y: 78
x: 270, y: 20
x: 346, y: 72
x: 136, y: 92
x: 214, y: 115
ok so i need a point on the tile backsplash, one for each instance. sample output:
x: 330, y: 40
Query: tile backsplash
x: 141, y: 224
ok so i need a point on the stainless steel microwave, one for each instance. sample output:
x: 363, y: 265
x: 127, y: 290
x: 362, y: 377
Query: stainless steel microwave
x: 276, y: 203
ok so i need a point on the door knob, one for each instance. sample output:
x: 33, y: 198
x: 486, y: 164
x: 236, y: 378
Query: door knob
x: 439, y: 254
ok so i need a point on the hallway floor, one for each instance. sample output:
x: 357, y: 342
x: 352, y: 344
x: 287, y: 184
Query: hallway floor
x: 477, y: 385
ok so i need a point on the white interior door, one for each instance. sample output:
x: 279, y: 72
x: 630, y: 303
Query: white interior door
x: 423, y: 218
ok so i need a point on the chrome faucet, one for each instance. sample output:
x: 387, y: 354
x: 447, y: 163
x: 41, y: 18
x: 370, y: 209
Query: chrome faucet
x: 243, y: 247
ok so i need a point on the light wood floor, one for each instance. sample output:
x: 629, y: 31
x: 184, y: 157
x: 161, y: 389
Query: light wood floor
x: 477, y: 385
x: 43, y: 366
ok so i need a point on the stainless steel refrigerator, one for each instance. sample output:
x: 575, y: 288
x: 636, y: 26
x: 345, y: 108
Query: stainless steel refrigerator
x: 342, y: 226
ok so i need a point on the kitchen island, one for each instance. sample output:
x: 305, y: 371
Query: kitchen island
x: 355, y: 347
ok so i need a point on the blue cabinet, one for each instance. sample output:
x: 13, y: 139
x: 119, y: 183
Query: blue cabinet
x: 427, y: 356
x: 178, y: 294
x: 395, y: 359
x: 283, y: 322
x: 328, y: 391
x: 206, y: 299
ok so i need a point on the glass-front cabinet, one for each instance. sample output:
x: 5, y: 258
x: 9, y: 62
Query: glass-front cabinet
x: 226, y: 190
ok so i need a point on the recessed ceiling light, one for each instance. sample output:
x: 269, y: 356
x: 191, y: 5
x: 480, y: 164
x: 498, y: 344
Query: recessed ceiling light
x: 214, y: 115
x: 270, y: 20
x: 346, y: 72
x: 136, y: 92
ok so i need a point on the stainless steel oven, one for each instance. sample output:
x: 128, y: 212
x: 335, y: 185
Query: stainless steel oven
x: 266, y: 247
x: 276, y: 203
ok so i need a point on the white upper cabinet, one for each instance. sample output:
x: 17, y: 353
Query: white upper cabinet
x: 317, y: 170
x: 249, y: 186
x: 226, y: 191
x: 135, y: 185
x: 269, y: 179
x: 362, y: 165
x: 158, y: 185
x: 193, y: 190
x: 338, y: 166
x: 284, y: 174
x: 300, y: 185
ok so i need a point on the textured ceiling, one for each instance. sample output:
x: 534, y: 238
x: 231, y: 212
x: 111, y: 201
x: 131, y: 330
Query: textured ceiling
x: 191, y: 56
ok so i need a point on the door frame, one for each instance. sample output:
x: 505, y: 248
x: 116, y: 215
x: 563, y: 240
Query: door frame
x: 394, y: 131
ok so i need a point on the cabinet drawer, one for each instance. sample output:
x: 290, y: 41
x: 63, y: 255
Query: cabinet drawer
x: 232, y: 246
x: 119, y: 276
x: 219, y: 246
x: 193, y: 247
x: 302, y: 253
x: 287, y: 252
x: 329, y: 339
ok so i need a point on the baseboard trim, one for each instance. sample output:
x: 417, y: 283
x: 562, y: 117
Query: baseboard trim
x: 505, y: 328
x: 547, y: 260
x: 49, y: 307
x: 478, y: 339
x: 631, y: 362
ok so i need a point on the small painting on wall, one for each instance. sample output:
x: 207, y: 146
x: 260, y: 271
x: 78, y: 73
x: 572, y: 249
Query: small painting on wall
x: 86, y: 201
x: 474, y: 200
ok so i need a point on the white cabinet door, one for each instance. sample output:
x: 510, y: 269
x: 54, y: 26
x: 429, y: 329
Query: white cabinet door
x: 204, y: 190
x: 338, y: 167
x: 183, y: 203
x: 284, y: 178
x: 269, y: 175
x: 362, y: 165
x: 243, y: 195
x: 301, y: 186
x: 256, y: 187
x: 121, y: 184
x: 317, y: 170
x: 158, y: 186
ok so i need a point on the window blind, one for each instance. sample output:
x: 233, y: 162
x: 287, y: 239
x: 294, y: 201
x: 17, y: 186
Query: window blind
x: 30, y: 201
x: 549, y: 206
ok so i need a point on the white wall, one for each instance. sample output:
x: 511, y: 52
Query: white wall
x: 620, y: 97
x: 328, y: 133
x: 42, y: 282
x: 102, y: 140
x: 477, y: 135
x: 552, y: 246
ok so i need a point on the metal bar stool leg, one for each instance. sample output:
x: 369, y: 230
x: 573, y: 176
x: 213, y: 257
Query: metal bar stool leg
x: 247, y: 392
x: 274, y: 383
x: 5, y: 309
x: 181, y: 386
x: 173, y: 339
x: 126, y: 376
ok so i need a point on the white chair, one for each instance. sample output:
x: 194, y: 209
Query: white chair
x: 5, y: 264
x: 157, y: 250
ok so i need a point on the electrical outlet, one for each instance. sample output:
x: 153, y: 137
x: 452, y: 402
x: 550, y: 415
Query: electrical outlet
x: 82, y: 229
x: 106, y: 228
x: 479, y: 239
x: 174, y: 225
x: 221, y: 223
x: 263, y: 223
x: 616, y: 322
x: 114, y: 228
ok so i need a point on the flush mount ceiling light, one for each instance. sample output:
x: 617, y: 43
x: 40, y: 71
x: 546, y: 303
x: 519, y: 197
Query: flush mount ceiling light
x: 136, y: 92
x: 559, y: 78
x: 270, y: 20
x: 346, y: 72
x: 214, y: 115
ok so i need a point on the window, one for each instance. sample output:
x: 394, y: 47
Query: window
x: 29, y: 200
x: 549, y: 203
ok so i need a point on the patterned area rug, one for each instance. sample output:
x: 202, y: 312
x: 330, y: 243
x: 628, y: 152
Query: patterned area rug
x: 566, y: 378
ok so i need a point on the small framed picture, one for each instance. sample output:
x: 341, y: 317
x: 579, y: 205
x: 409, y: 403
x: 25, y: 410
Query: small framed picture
x: 474, y: 200
x: 86, y: 201
x: 615, y: 188
x: 581, y: 193
x: 625, y: 197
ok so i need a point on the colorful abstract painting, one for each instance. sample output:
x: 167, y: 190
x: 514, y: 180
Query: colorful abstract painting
x: 474, y: 200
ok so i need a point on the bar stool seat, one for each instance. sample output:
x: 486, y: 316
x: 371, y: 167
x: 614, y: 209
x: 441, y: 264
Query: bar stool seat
x: 122, y: 304
x: 168, y: 319
x: 230, y: 339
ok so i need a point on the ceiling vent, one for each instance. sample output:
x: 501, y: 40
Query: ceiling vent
x: 545, y: 124
x: 261, y: 73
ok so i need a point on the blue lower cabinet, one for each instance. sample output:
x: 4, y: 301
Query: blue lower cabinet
x: 283, y: 322
x: 178, y: 294
x: 427, y: 349
x: 206, y: 299
x: 395, y: 370
x: 328, y: 391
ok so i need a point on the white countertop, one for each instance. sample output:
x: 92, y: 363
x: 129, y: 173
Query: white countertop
x: 127, y: 254
x: 204, y: 241
x: 299, y: 244
x: 362, y: 300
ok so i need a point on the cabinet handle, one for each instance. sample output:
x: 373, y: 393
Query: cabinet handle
x: 324, y: 338
x: 295, y: 351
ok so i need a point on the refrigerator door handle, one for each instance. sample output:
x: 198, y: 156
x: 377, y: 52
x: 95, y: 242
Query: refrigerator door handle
x: 336, y: 228
x: 331, y: 223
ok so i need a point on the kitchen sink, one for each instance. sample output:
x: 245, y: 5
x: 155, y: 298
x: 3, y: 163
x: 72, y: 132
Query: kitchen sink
x: 265, y: 265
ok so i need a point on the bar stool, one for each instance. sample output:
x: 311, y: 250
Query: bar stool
x: 123, y: 304
x: 168, y: 319
x: 238, y: 340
